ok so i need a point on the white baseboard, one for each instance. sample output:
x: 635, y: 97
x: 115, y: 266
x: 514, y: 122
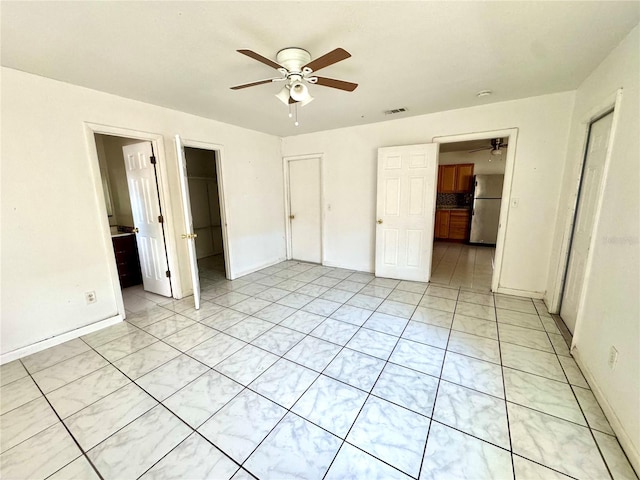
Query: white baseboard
x: 364, y: 269
x: 614, y: 421
x: 519, y: 293
x: 249, y: 270
x: 58, y: 339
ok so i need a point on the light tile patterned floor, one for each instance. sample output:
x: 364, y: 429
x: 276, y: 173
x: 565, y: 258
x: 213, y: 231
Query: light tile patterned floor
x: 302, y: 371
x: 460, y: 265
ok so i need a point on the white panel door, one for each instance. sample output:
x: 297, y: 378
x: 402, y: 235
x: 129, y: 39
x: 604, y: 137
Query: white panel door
x: 305, y: 211
x: 407, y: 183
x: 188, y: 234
x: 590, y: 190
x: 145, y: 207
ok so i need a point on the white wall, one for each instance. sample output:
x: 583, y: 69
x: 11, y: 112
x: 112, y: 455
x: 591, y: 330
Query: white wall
x: 350, y: 178
x: 480, y: 160
x: 55, y: 247
x: 611, y: 313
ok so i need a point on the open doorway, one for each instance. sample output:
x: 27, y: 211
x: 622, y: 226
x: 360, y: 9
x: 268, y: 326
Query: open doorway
x: 470, y: 208
x: 204, y: 197
x: 136, y: 221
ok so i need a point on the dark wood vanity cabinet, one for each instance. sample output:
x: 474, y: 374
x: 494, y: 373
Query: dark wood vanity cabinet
x: 127, y: 260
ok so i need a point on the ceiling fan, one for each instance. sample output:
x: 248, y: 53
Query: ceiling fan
x: 496, y: 147
x: 297, y: 69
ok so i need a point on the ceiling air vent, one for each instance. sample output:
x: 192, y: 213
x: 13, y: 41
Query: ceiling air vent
x: 394, y: 111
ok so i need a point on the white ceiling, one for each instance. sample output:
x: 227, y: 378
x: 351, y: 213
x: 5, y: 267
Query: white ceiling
x: 425, y: 56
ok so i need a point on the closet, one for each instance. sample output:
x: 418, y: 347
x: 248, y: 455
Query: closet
x: 205, y: 204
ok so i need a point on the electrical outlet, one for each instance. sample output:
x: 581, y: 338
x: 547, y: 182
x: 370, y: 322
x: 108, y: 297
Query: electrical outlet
x: 613, y: 357
x: 90, y: 297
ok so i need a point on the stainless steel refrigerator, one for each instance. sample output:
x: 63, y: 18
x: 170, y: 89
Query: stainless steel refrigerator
x: 485, y: 216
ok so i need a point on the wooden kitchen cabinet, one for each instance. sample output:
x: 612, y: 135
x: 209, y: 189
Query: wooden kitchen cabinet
x: 447, y: 178
x: 458, y: 224
x: 451, y: 224
x: 442, y: 223
x: 464, y: 178
x: 455, y: 178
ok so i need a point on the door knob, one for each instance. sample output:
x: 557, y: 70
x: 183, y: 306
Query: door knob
x: 291, y: 217
x: 135, y: 230
x: 379, y: 221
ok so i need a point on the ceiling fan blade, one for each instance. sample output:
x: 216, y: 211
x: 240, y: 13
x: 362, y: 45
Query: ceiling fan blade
x: 480, y: 149
x: 327, y: 59
x: 260, y: 58
x: 292, y: 101
x: 252, y: 84
x: 339, y: 84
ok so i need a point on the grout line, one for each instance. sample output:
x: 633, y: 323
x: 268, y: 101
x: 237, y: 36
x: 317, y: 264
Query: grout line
x: 504, y: 390
x: 306, y: 335
x: 369, y: 393
x: 435, y: 395
x: 158, y: 403
x: 83, y: 453
x: 545, y: 466
x: 588, y: 426
x: 509, y: 367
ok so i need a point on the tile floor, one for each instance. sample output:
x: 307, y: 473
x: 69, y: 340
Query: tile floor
x: 459, y: 265
x: 302, y: 371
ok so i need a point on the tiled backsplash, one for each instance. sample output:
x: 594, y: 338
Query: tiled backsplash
x: 453, y: 199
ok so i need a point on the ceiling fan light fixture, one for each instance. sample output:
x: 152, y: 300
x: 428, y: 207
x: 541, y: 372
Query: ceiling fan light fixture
x: 302, y: 103
x: 295, y: 67
x: 496, y: 151
x: 283, y: 95
x: 299, y: 91
x: 293, y: 58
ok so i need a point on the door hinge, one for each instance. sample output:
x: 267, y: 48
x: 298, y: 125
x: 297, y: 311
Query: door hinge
x: 153, y: 159
x: 168, y: 274
x: 160, y: 219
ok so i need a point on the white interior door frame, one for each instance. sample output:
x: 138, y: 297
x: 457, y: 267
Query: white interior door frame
x: 157, y: 141
x: 511, y: 134
x: 287, y: 200
x: 224, y: 215
x: 613, y: 101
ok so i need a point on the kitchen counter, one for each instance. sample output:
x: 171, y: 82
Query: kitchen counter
x: 121, y: 234
x: 446, y: 207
